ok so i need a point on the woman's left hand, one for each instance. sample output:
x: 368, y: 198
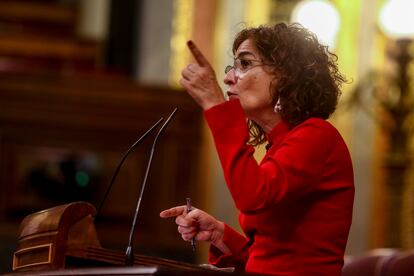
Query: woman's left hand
x: 199, y: 80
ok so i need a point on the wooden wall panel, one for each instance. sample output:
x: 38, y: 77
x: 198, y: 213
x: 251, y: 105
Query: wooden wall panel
x: 91, y: 120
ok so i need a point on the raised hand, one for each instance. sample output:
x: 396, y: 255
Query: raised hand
x: 199, y: 80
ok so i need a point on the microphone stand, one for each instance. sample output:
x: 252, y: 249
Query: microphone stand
x: 129, y: 253
x: 132, y: 148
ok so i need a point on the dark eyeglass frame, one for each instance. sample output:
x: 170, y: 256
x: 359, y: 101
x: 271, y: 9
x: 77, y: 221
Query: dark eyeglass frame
x: 238, y: 67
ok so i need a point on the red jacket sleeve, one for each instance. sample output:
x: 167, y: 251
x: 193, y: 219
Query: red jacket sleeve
x: 238, y: 245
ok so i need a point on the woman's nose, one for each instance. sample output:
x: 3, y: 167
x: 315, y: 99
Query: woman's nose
x: 230, y: 77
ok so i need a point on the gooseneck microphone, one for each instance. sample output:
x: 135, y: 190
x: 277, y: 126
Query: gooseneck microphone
x: 129, y: 253
x: 131, y: 149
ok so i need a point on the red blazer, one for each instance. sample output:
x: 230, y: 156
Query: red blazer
x: 295, y: 207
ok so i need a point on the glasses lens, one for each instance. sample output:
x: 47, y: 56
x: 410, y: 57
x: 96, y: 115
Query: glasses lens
x: 228, y: 68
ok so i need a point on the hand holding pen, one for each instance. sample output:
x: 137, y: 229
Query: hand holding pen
x: 189, y: 208
x: 193, y: 222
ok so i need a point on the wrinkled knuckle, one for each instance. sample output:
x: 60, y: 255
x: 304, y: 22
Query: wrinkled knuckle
x: 186, y: 237
x: 182, y: 82
x: 196, y: 212
x: 204, y: 73
x: 182, y: 230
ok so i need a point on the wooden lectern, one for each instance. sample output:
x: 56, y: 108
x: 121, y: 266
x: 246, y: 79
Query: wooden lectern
x: 63, y: 241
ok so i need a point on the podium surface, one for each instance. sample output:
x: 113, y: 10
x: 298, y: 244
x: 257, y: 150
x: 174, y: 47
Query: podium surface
x: 119, y: 271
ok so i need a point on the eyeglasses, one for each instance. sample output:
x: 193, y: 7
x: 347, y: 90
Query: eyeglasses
x: 241, y: 66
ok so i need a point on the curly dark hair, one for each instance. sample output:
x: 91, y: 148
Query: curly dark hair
x: 307, y: 80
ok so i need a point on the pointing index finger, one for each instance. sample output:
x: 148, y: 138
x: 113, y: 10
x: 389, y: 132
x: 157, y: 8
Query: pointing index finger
x: 173, y: 212
x: 198, y: 56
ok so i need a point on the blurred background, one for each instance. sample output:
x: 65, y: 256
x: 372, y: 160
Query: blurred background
x: 80, y: 81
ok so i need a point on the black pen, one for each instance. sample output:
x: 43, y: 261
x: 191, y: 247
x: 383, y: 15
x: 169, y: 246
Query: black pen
x: 188, y: 200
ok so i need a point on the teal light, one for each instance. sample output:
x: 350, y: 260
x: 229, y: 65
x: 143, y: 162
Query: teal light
x: 82, y: 179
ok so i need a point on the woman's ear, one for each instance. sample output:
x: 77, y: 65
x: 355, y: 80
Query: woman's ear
x: 274, y: 88
x: 278, y: 106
